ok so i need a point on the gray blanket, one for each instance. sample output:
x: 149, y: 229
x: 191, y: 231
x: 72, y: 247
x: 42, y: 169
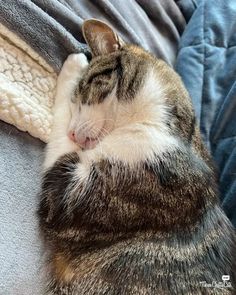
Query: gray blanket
x: 53, y: 29
x: 20, y: 247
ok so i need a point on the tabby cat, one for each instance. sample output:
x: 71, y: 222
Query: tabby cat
x: 129, y: 198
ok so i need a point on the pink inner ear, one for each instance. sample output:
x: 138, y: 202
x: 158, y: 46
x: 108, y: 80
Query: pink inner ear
x: 100, y: 37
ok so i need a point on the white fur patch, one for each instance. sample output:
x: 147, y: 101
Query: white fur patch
x: 137, y: 146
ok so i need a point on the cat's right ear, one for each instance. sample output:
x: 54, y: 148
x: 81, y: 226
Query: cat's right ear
x: 100, y: 37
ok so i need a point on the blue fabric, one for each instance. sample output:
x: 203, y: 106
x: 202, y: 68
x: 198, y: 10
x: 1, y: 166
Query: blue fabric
x: 207, y: 64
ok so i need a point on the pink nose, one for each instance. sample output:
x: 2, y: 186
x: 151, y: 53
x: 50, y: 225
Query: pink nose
x: 79, y: 139
x: 71, y: 135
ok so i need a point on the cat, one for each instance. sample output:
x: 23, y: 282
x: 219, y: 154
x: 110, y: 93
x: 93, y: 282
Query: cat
x: 129, y: 199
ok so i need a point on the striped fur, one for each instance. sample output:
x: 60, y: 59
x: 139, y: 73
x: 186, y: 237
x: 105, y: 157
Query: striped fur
x: 138, y: 213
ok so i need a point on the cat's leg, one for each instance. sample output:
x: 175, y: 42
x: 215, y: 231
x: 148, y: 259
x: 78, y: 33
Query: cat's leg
x: 59, y: 143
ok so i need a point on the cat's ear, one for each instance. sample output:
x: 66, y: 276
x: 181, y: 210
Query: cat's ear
x: 100, y: 37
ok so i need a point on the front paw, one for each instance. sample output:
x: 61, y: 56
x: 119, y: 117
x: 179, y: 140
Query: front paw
x: 74, y: 66
x: 77, y: 60
x: 71, y: 72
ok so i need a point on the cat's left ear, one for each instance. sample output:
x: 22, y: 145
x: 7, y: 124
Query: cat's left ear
x: 100, y: 37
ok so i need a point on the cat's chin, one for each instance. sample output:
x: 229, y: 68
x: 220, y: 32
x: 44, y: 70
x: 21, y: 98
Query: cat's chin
x: 89, y: 144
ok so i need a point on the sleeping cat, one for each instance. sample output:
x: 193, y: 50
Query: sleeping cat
x: 129, y: 198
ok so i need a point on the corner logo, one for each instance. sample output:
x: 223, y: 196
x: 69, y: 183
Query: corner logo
x: 225, y: 283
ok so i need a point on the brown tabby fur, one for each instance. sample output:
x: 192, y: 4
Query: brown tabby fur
x: 154, y: 229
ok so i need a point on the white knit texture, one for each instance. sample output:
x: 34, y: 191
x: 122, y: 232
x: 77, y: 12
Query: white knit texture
x: 27, y: 87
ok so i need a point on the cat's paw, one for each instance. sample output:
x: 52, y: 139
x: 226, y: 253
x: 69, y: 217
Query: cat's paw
x: 71, y: 71
x: 77, y: 60
x: 73, y: 68
x: 75, y: 64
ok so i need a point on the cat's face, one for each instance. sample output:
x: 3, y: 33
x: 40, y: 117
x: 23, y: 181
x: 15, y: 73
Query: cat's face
x: 125, y: 87
x: 91, y: 121
x: 105, y: 96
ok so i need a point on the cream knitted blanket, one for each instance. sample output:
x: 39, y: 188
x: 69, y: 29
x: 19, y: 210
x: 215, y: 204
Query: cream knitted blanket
x: 27, y: 86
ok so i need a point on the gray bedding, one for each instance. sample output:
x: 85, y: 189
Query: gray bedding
x: 53, y: 29
x: 20, y: 252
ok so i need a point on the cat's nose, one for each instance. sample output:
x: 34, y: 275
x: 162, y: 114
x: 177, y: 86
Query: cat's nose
x: 71, y: 135
x: 77, y: 138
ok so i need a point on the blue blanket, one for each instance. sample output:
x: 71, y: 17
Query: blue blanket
x: 207, y: 63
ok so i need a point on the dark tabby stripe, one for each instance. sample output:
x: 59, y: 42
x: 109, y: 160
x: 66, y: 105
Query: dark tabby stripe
x: 120, y: 68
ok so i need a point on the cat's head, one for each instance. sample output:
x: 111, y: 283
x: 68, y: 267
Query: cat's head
x: 123, y: 87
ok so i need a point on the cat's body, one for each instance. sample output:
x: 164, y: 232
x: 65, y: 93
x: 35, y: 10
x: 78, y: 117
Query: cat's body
x: 137, y: 211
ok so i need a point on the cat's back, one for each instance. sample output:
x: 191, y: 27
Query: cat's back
x: 151, y: 263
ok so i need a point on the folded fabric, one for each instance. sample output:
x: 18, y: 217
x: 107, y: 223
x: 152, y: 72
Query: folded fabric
x: 27, y: 86
x: 53, y: 27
